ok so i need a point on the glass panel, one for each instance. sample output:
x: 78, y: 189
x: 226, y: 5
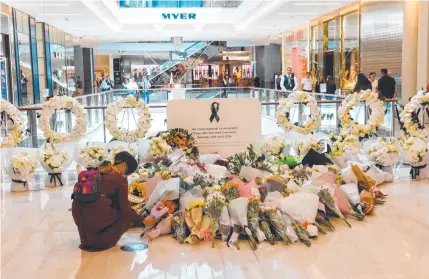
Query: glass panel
x: 19, y: 22
x: 314, y: 51
x: 25, y: 69
x: 41, y: 66
x: 59, y: 70
x: 39, y: 32
x: 350, y: 51
x: 25, y: 24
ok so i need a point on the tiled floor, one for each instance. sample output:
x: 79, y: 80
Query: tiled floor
x: 40, y: 240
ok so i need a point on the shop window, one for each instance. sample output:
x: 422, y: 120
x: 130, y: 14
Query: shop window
x: 349, y: 50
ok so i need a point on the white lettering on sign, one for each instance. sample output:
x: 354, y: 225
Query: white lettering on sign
x: 236, y: 58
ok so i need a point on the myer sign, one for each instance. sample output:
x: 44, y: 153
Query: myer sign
x: 179, y: 16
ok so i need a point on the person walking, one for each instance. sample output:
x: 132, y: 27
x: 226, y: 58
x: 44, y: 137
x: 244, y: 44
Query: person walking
x: 307, y: 83
x: 362, y: 83
x: 320, y: 86
x: 224, y: 86
x: 386, y: 85
x: 374, y: 81
x: 289, y: 81
x: 146, y: 86
x: 79, y: 86
x: 257, y: 82
x: 103, y: 221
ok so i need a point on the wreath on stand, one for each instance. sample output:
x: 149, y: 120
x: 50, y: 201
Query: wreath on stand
x: 143, y: 121
x: 283, y: 113
x: 409, y: 119
x: 69, y: 104
x: 376, y: 114
x: 12, y: 114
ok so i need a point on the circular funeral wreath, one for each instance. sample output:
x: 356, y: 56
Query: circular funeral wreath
x: 376, y: 117
x: 409, y: 116
x: 143, y: 121
x: 283, y: 112
x: 67, y: 103
x: 17, y: 133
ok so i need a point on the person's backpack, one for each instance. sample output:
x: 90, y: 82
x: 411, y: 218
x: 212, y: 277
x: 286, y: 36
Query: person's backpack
x: 87, y: 188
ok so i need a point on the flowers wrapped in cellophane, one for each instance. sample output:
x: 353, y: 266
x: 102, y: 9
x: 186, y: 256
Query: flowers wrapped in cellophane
x: 326, y: 195
x: 194, y: 218
x: 416, y: 153
x: 270, y: 210
x: 117, y: 146
x: 137, y: 195
x: 91, y: 154
x: 253, y: 209
x: 214, y: 206
x: 55, y: 159
x: 21, y: 167
x: 238, y: 213
x: 384, y: 151
x: 179, y: 227
x: 352, y: 193
x: 343, y: 147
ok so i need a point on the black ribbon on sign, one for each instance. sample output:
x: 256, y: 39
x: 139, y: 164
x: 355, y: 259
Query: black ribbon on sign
x: 20, y: 181
x: 214, y: 109
x: 415, y: 171
x: 55, y: 177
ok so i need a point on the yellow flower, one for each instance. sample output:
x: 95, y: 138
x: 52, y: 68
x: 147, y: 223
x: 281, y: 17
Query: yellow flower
x: 195, y: 204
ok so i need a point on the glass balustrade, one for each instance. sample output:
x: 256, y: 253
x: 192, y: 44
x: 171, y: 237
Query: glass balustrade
x: 96, y: 104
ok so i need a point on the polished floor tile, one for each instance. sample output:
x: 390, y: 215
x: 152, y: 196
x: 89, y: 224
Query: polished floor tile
x: 40, y: 240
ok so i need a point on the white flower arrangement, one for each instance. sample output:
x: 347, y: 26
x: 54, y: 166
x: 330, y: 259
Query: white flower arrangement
x: 23, y: 167
x: 376, y: 118
x: 344, y: 142
x: 91, y: 156
x: 17, y: 132
x: 68, y: 103
x: 385, y: 152
x: 143, y: 121
x: 159, y: 147
x: 421, y: 100
x: 273, y: 147
x: 53, y: 159
x: 121, y: 147
x: 415, y: 150
x: 283, y: 110
x: 312, y: 143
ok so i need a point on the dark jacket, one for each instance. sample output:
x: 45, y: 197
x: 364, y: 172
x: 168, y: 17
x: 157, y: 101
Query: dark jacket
x: 102, y: 223
x: 386, y: 87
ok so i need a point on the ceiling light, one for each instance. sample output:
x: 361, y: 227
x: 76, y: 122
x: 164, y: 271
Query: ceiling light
x: 77, y: 28
x: 60, y: 14
x: 43, y: 4
x: 317, y: 4
x: 298, y: 13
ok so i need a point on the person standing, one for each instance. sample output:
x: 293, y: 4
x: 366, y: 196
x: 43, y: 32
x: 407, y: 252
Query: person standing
x: 79, y: 86
x: 146, y: 86
x: 289, y: 81
x: 331, y: 88
x: 321, y: 85
x: 374, y: 82
x: 278, y: 82
x: 362, y: 83
x: 307, y: 83
x: 386, y: 85
x: 256, y: 82
x: 224, y: 85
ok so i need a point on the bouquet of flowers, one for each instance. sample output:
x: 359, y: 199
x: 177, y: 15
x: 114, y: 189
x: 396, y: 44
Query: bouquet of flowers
x: 159, y: 147
x: 213, y: 207
x: 23, y: 164
x: 117, y: 146
x: 385, y: 152
x: 248, y: 158
x: 305, y: 145
x: 415, y: 153
x: 238, y: 212
x: 351, y: 191
x: 180, y: 229
x: 343, y: 145
x: 230, y: 191
x: 253, y: 209
x: 55, y: 162
x: 194, y: 218
x: 273, y: 147
x: 326, y: 196
x: 91, y: 155
x: 181, y: 139
x: 273, y: 215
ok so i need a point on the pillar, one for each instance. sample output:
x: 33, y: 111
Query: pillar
x: 423, y: 46
x: 409, y: 49
x: 84, y: 67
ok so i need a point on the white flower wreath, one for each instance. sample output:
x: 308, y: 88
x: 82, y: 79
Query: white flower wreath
x: 283, y: 109
x: 376, y: 117
x: 412, y: 128
x: 67, y: 103
x: 143, y: 122
x: 17, y: 133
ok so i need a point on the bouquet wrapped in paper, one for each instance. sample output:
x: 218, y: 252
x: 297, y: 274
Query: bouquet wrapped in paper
x: 344, y: 204
x: 244, y: 189
x: 326, y: 195
x: 302, y: 207
x: 253, y: 209
x: 91, y: 154
x: 194, y: 218
x: 311, y: 143
x: 230, y: 191
x: 179, y: 227
x: 55, y: 159
x: 273, y: 146
x: 22, y: 164
x: 271, y: 212
x: 344, y: 146
x: 416, y: 153
x: 238, y: 213
x: 118, y: 146
x: 384, y: 152
x: 351, y: 191
x: 214, y: 205
x: 164, y: 190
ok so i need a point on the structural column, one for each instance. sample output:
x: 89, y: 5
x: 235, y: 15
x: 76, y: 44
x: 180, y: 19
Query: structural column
x: 423, y: 45
x: 409, y: 49
x: 84, y: 67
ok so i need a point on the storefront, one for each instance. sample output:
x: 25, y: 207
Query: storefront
x: 6, y: 60
x: 295, y: 50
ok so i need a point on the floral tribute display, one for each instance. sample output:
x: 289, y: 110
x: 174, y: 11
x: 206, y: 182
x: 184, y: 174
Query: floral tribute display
x: 142, y: 121
x: 67, y: 103
x: 415, y: 151
x: 283, y: 113
x: 376, y: 117
x: 55, y: 161
x: 91, y: 155
x: 385, y: 152
x: 409, y: 116
x: 16, y: 122
x: 22, y: 167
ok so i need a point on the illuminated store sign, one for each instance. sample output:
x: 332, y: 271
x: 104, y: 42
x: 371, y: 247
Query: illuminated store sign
x: 178, y: 55
x: 235, y: 58
x: 179, y: 16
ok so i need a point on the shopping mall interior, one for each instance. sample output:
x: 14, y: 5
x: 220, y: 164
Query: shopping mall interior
x: 133, y: 130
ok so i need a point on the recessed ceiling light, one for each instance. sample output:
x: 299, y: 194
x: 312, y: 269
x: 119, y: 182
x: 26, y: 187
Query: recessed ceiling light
x: 60, y: 14
x: 298, y: 13
x: 317, y: 4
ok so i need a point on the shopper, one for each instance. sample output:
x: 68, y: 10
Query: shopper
x: 146, y: 86
x: 79, y: 86
x: 289, y: 81
x: 362, y: 83
x: 278, y: 82
x: 320, y: 86
x: 331, y: 88
x: 374, y: 82
x: 224, y: 85
x: 256, y: 82
x: 307, y: 83
x: 102, y: 222
x: 386, y: 85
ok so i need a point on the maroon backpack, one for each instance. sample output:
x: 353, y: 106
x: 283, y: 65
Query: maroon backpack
x: 87, y: 188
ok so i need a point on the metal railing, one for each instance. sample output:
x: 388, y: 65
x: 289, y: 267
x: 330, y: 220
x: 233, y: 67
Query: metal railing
x: 96, y: 104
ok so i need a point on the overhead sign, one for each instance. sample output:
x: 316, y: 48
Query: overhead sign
x: 179, y: 16
x: 215, y: 123
x: 235, y: 58
x: 178, y: 55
